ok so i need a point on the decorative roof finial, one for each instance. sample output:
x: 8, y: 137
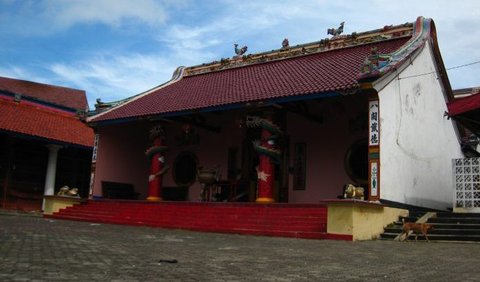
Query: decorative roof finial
x: 240, y: 51
x: 285, y: 44
x: 336, y: 31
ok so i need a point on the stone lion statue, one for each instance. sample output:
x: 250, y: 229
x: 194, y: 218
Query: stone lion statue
x: 66, y: 191
x: 352, y: 192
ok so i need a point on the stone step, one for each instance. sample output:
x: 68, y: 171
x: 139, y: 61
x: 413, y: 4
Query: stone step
x: 454, y: 220
x: 300, y: 221
x: 439, y: 231
x: 457, y: 215
x: 435, y: 237
x: 446, y: 227
x: 305, y: 224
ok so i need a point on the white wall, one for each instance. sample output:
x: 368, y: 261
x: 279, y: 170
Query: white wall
x: 417, y: 142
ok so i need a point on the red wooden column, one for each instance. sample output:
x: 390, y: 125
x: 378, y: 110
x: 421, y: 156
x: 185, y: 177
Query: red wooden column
x: 157, y: 163
x: 266, y: 170
x: 268, y: 154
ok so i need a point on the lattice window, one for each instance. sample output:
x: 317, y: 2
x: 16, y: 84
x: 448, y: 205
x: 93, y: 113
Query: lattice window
x: 466, y: 173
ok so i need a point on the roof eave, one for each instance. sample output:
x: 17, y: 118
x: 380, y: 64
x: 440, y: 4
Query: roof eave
x: 177, y: 76
x: 45, y: 139
x: 226, y: 107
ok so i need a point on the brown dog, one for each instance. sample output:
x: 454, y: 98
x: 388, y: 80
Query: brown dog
x: 416, y: 228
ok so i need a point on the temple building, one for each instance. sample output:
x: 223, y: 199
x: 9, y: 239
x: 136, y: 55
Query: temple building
x: 44, y: 142
x: 293, y: 125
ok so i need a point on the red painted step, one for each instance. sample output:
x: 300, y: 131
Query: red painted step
x: 285, y: 220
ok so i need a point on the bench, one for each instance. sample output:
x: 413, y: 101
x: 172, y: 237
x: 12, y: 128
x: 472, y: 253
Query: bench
x: 116, y: 190
x: 175, y: 193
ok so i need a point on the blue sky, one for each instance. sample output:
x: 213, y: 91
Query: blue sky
x: 114, y: 49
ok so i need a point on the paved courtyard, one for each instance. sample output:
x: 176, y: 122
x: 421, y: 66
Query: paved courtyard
x: 37, y: 249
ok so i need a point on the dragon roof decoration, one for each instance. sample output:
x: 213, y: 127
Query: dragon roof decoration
x: 377, y: 65
x: 324, y: 45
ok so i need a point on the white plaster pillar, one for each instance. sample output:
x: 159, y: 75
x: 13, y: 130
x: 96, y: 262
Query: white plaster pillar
x: 51, y: 171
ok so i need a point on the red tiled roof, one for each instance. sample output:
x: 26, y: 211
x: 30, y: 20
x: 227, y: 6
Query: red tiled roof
x: 463, y: 105
x: 331, y: 71
x: 466, y: 111
x: 68, y: 97
x: 36, y: 121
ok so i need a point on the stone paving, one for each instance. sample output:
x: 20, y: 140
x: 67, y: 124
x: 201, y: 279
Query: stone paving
x: 38, y: 249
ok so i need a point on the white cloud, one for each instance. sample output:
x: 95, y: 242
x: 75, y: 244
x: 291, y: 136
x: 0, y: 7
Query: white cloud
x: 115, y: 77
x: 23, y: 74
x: 110, y: 12
x: 50, y: 16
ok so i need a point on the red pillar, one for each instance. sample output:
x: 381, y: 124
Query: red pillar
x: 155, y: 180
x: 157, y: 163
x: 265, y: 172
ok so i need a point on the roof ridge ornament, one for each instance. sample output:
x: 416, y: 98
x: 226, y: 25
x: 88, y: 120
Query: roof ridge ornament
x: 178, y: 73
x: 285, y: 44
x: 376, y: 65
x: 239, y: 51
x: 336, y: 31
x: 17, y: 98
x: 375, y: 61
x: 324, y: 45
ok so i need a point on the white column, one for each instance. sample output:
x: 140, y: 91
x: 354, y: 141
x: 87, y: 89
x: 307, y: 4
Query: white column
x: 51, y: 171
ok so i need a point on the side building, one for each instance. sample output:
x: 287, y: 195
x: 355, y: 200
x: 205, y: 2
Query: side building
x: 44, y: 144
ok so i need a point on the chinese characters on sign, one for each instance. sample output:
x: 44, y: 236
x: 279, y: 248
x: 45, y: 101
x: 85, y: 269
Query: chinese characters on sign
x: 374, y: 137
x: 95, y: 148
x: 374, y: 179
x: 94, y: 161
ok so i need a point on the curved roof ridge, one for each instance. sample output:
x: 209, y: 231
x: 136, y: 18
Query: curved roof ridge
x: 324, y: 45
x: 377, y: 65
x: 110, y: 106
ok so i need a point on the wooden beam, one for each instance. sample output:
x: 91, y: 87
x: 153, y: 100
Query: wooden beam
x: 301, y: 109
x: 200, y: 122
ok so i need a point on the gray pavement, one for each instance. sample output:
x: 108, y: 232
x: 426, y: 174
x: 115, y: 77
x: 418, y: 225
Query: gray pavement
x: 37, y: 249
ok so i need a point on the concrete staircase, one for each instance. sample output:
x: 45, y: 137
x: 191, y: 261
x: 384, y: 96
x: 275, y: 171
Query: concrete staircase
x: 447, y: 226
x: 282, y: 220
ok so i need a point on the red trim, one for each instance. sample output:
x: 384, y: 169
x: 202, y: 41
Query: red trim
x: 463, y: 105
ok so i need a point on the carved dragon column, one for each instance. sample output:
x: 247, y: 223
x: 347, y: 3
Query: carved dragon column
x: 157, y: 163
x: 268, y: 155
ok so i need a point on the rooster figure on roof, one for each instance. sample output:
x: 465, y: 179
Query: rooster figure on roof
x: 336, y: 31
x: 285, y: 44
x: 240, y: 51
